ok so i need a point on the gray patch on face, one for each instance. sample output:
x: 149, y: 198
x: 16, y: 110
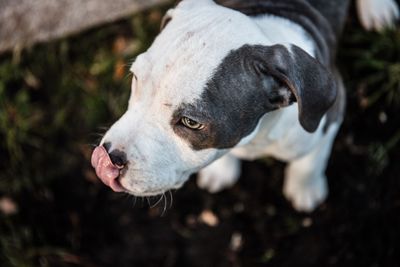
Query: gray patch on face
x: 249, y: 82
x: 230, y: 106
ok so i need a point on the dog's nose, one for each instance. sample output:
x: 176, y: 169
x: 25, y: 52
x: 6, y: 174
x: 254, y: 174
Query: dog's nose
x: 107, y: 146
x: 118, y: 158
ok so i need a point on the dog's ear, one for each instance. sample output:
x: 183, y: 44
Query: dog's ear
x: 300, y: 77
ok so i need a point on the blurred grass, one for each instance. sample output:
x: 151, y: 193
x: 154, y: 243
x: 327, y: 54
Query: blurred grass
x: 370, y: 63
x: 54, y: 96
x: 375, y: 62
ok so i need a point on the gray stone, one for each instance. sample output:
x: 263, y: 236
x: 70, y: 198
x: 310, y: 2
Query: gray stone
x: 25, y: 22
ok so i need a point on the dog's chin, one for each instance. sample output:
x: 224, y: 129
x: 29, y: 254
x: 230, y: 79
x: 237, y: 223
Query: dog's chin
x: 144, y: 190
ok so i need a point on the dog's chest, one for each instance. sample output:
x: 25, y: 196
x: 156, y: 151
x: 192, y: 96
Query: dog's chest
x: 280, y: 135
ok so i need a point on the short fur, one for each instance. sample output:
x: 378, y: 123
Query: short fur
x: 259, y: 76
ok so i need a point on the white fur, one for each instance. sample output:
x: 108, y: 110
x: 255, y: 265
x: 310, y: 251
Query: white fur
x: 305, y: 181
x: 220, y: 174
x: 174, y: 70
x: 282, y: 31
x: 377, y: 14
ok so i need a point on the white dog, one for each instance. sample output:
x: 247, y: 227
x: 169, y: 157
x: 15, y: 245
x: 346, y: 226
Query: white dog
x: 230, y: 80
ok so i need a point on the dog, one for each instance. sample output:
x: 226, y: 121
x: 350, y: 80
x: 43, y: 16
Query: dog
x: 228, y: 80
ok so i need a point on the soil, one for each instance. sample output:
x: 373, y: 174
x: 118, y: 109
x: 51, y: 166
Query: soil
x: 358, y: 225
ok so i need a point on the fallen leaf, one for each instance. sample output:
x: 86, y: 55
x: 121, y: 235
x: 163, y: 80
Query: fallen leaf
x: 8, y: 206
x: 236, y: 241
x: 209, y: 218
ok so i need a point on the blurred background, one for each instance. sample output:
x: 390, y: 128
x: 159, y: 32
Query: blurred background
x: 58, y: 97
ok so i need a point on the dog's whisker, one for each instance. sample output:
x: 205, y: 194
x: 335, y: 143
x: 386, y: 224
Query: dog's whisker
x: 158, y: 201
x: 131, y: 62
x: 142, y: 202
x: 172, y: 199
x: 148, y: 201
x: 128, y: 65
x: 96, y: 134
x: 103, y: 128
x: 134, y: 200
x: 91, y: 145
x: 128, y: 76
x: 165, y: 205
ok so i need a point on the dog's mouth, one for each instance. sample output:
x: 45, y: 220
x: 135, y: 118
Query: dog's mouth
x: 119, y: 180
x: 108, y: 172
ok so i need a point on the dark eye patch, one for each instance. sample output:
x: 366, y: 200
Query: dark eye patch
x: 230, y: 106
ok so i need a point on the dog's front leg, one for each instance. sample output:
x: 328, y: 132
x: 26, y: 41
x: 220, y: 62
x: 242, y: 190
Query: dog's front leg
x: 220, y: 174
x: 305, y: 182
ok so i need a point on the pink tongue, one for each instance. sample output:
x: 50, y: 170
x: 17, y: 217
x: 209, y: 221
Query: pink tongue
x: 105, y: 169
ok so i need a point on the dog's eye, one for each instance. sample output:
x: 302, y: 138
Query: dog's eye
x: 191, y: 124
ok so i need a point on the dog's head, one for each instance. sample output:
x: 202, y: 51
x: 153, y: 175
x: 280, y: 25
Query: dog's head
x: 201, y: 89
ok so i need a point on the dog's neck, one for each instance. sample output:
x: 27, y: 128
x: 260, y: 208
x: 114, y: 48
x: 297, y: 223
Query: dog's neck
x: 282, y: 31
x: 299, y: 12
